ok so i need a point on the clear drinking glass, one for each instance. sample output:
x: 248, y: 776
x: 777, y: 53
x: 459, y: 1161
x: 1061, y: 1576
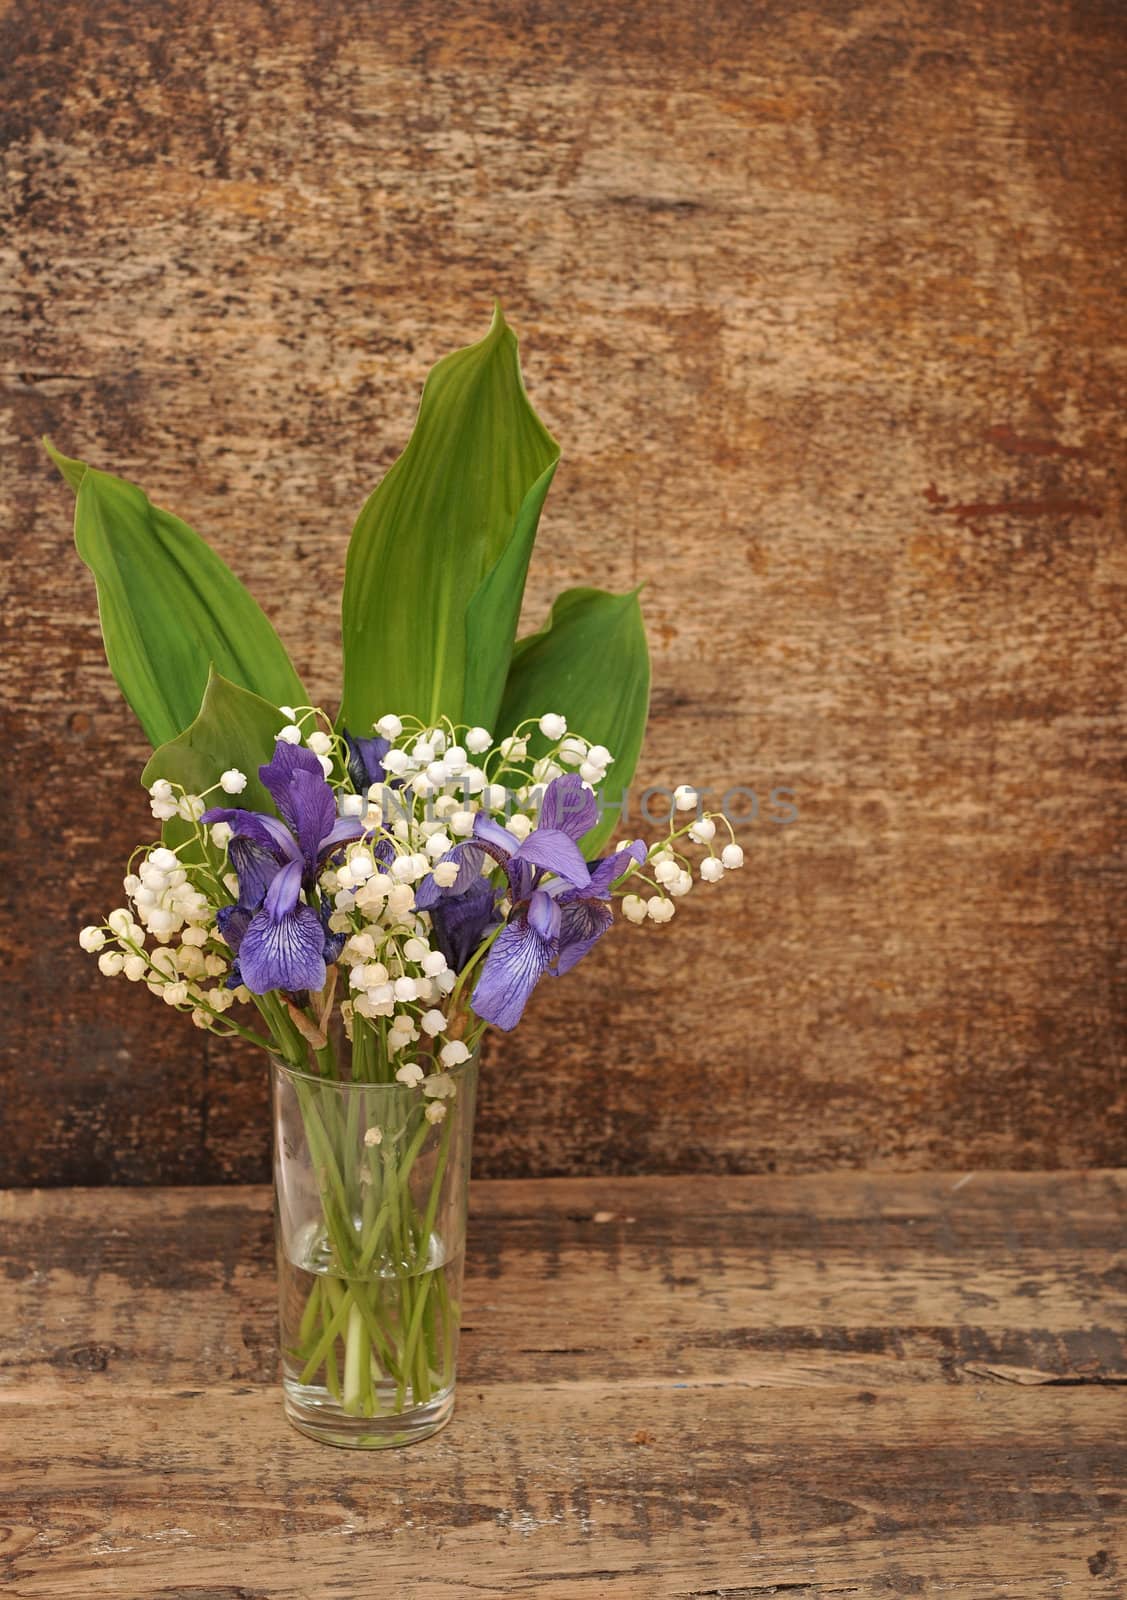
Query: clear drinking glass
x: 370, y: 1187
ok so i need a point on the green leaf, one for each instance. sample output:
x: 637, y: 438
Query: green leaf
x: 493, y: 613
x: 589, y: 662
x: 449, y: 530
x: 72, y: 471
x: 234, y: 728
x: 169, y: 606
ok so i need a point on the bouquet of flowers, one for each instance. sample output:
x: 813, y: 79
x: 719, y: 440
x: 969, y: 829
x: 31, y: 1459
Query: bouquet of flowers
x: 362, y: 895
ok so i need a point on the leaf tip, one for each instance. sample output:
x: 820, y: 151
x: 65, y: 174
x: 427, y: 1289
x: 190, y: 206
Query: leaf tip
x: 500, y: 333
x: 73, y: 471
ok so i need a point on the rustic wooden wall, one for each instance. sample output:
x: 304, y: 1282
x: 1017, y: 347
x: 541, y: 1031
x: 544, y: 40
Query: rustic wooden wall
x: 821, y: 301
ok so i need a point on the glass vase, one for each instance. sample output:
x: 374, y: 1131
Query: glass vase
x: 370, y: 1187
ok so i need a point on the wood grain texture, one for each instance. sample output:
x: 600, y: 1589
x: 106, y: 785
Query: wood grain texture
x: 821, y: 300
x: 841, y: 1385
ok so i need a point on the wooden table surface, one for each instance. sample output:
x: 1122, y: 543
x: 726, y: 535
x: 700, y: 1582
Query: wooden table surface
x: 840, y: 1385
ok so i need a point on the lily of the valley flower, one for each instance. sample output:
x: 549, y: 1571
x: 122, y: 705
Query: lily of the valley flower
x: 279, y: 940
x: 559, y: 901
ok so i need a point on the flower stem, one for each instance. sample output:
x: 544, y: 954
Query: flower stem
x: 356, y: 1350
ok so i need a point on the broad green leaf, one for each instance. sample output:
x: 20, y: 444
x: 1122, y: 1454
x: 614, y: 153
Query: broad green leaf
x: 493, y: 613
x: 462, y: 500
x: 234, y: 728
x: 169, y: 606
x: 589, y: 662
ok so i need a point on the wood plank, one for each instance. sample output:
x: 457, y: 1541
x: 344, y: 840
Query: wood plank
x: 801, y: 1280
x: 837, y: 1385
x: 823, y: 303
x: 585, y: 1492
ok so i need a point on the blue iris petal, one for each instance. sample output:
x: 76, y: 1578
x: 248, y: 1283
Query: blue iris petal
x: 582, y: 924
x: 555, y: 851
x: 314, y: 810
x: 284, y: 944
x: 607, y: 871
x: 569, y: 807
x: 233, y: 922
x: 517, y: 960
x: 256, y: 868
x: 461, y: 923
x: 277, y: 776
x: 365, y: 761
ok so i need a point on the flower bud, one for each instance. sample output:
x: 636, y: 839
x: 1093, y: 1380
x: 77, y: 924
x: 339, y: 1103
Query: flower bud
x: 572, y: 751
x: 633, y: 908
x: 361, y: 947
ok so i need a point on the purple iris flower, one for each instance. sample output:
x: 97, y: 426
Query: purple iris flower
x: 279, y: 941
x: 559, y: 901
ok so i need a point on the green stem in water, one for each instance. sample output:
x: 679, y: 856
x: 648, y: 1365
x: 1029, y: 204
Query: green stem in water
x: 356, y: 1352
x: 309, y: 1315
x: 323, y: 1348
x: 422, y: 1291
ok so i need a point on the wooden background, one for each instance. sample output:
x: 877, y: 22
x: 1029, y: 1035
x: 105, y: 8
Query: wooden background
x: 821, y: 302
